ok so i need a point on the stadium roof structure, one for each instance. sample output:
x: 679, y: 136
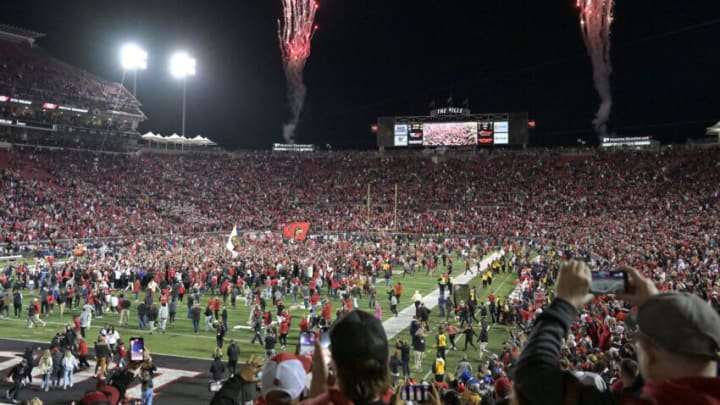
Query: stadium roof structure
x: 176, y: 139
x: 18, y: 34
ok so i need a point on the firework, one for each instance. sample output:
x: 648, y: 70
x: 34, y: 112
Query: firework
x: 295, y: 33
x: 596, y: 18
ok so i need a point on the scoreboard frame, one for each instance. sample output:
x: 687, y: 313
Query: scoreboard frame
x: 516, y: 135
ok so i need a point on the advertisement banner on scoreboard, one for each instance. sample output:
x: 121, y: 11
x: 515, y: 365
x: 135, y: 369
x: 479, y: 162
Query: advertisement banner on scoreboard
x: 502, y: 138
x: 485, y: 132
x: 450, y: 133
x: 502, y: 129
x: 401, y: 140
x: 415, y: 136
x: 401, y: 135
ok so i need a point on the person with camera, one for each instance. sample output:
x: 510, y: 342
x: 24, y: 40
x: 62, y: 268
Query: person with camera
x: 359, y: 360
x: 677, y: 337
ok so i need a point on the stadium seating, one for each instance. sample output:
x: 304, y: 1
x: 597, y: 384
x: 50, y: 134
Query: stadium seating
x: 601, y: 201
x: 27, y: 72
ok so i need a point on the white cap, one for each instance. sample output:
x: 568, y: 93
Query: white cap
x: 286, y: 373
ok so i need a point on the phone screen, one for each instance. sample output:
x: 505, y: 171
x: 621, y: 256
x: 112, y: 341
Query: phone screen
x: 608, y: 282
x: 415, y: 392
x: 137, y: 349
x: 307, y: 343
x: 325, y: 339
x: 325, y: 344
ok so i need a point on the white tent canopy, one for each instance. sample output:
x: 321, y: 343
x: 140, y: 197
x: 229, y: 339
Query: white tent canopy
x: 713, y: 130
x: 176, y: 139
x: 201, y: 140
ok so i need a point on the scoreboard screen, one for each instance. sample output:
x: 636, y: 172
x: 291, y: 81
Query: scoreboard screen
x: 450, y: 133
x: 483, y: 130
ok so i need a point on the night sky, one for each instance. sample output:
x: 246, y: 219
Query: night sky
x: 375, y: 58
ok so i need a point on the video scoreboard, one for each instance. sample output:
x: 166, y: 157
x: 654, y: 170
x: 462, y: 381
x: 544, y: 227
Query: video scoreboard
x: 460, y: 130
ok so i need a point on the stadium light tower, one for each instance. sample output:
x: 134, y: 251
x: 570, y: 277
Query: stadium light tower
x: 182, y: 66
x: 134, y: 58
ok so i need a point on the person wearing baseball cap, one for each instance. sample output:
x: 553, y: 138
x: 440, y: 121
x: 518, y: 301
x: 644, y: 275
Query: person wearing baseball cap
x: 284, y: 378
x: 677, y: 337
x: 359, y: 359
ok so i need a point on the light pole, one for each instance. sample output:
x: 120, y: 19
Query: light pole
x: 134, y: 58
x: 182, y: 66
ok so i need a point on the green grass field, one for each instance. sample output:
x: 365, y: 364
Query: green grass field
x: 181, y: 341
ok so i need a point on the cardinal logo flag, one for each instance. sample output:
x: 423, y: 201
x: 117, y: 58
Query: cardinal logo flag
x: 296, y: 230
x: 233, y: 242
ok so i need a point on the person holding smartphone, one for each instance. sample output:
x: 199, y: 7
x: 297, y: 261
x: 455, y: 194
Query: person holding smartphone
x: 677, y: 336
x: 359, y: 359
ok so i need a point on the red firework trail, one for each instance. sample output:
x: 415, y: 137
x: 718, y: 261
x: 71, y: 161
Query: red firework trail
x: 295, y: 33
x: 596, y: 18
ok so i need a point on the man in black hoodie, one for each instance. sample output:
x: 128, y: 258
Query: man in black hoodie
x: 17, y: 374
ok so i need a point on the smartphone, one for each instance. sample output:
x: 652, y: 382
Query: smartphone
x: 307, y: 343
x: 137, y: 349
x: 609, y: 282
x: 325, y: 339
x: 325, y: 344
x: 418, y: 393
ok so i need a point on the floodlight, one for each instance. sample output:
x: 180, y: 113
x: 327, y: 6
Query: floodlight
x: 133, y: 57
x: 182, y: 65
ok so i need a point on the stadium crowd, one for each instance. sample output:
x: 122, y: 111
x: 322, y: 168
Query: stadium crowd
x: 654, y: 212
x: 523, y: 196
x: 27, y: 72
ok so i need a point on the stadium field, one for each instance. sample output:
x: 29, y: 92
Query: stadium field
x: 180, y: 346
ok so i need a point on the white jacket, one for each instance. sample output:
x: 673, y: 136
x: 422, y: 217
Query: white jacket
x: 69, y: 362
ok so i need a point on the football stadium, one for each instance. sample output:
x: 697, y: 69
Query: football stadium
x: 454, y: 257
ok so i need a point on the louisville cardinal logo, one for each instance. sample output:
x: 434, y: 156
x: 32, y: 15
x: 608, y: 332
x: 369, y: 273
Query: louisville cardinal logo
x: 296, y: 230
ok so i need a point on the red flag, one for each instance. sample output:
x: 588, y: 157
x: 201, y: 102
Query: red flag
x: 296, y: 230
